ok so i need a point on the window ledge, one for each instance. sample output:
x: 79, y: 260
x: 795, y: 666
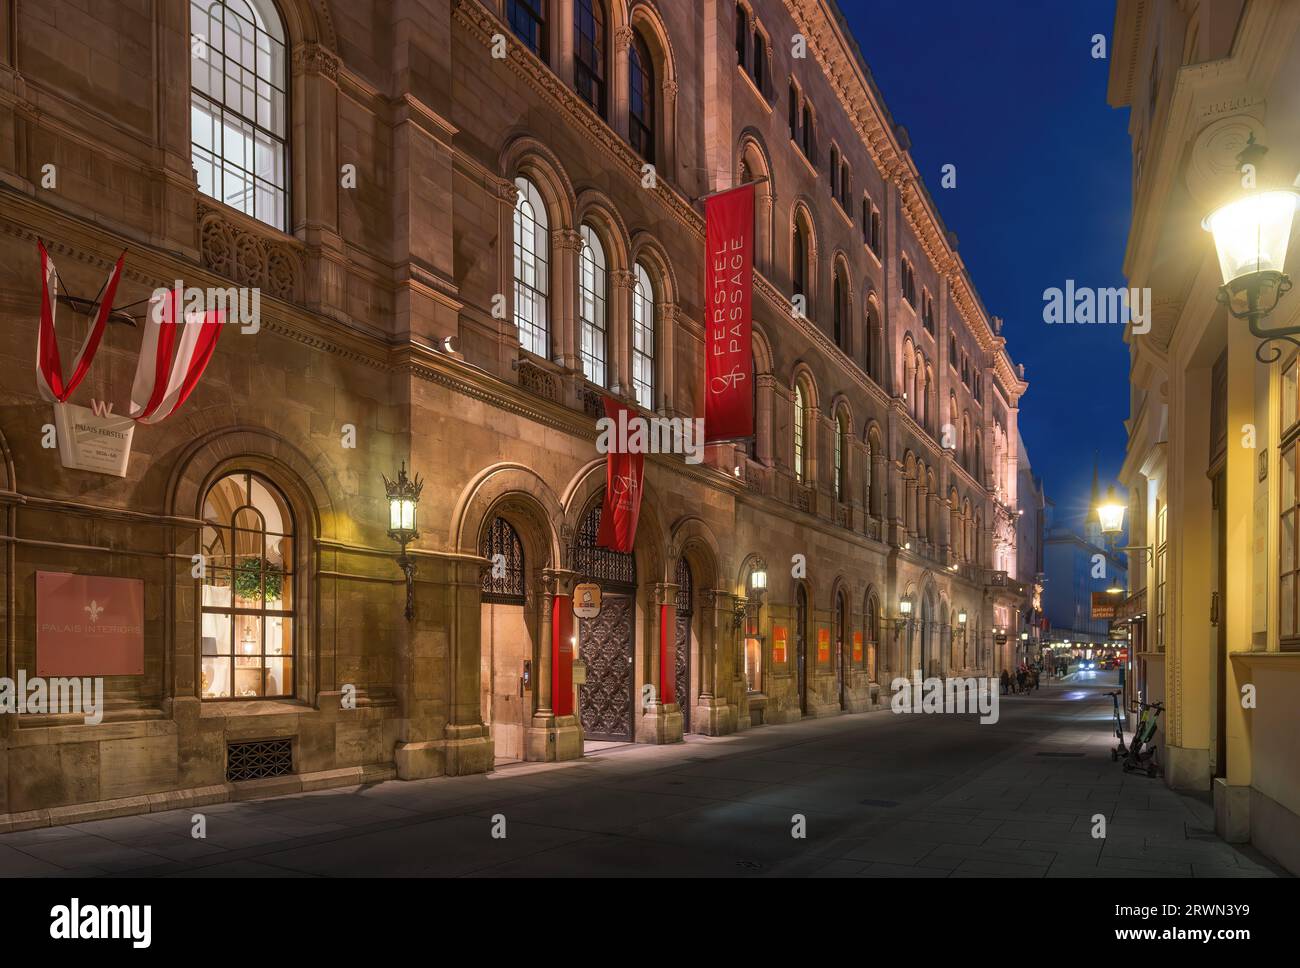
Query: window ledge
x: 798, y: 150
x: 223, y: 708
x: 749, y: 82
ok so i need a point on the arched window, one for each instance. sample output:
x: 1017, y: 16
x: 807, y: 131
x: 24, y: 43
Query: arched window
x: 532, y: 269
x: 809, y: 138
x: 801, y: 258
x: 248, y: 590
x: 800, y: 418
x: 841, y: 312
x: 908, y: 281
x: 742, y: 36
x: 238, y: 106
x: 643, y: 339
x: 871, y: 618
x: 528, y: 21
x: 793, y: 118
x: 835, y: 172
x: 589, y: 52
x: 641, y: 99
x: 591, y: 306
x: 841, y: 466
x: 506, y: 585
x: 846, y: 189
x: 758, y: 60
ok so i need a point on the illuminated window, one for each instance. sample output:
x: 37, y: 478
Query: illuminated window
x: 643, y: 339
x: 1161, y: 574
x: 1288, y: 547
x: 591, y: 306
x: 799, y: 418
x: 238, y: 124
x: 532, y: 269
x: 248, y: 590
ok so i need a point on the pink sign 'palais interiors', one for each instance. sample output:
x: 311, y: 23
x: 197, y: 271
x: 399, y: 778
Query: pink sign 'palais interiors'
x: 89, y: 625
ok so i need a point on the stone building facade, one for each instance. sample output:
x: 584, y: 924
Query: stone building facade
x: 1212, y: 431
x: 467, y: 220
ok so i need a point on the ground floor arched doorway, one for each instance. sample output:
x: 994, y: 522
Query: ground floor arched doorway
x: 606, y: 643
x: 507, y: 627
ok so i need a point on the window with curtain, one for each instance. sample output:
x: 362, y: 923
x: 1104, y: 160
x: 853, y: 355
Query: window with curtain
x: 532, y: 269
x: 591, y: 306
x: 589, y: 52
x: 643, y: 339
x: 641, y: 99
x: 247, y: 620
x: 799, y: 418
x: 239, y: 106
x: 528, y: 21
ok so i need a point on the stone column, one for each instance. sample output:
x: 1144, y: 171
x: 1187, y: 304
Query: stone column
x: 618, y: 94
x: 619, y: 349
x: 665, y: 358
x: 566, y: 244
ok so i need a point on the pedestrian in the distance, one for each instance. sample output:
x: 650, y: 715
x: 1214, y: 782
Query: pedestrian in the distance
x: 1006, y: 682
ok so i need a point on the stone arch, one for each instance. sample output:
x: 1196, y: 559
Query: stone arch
x: 752, y: 159
x: 691, y: 536
x: 596, y: 209
x: 585, y: 490
x: 529, y: 157
x: 500, y: 483
x: 646, y: 248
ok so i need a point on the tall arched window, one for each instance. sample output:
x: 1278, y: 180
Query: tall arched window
x: 841, y: 467
x: 841, y: 313
x: 742, y: 36
x: 835, y: 172
x: 643, y: 339
x: 591, y: 306
x: 589, y: 52
x: 871, y: 618
x: 641, y: 99
x: 532, y: 269
x: 793, y: 118
x: 800, y: 418
x: 248, y: 590
x: 528, y: 21
x: 238, y: 106
x: 809, y: 137
x: 801, y: 258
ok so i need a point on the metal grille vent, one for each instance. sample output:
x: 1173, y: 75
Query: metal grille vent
x: 258, y: 761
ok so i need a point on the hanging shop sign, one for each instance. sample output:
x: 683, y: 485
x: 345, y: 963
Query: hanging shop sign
x: 586, y: 600
x: 93, y: 441
x: 89, y: 625
x: 728, y: 298
x: 1103, y: 605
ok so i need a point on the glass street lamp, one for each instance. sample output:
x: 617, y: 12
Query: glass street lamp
x: 403, y: 500
x: 758, y: 577
x: 1110, y: 513
x: 905, y: 613
x: 961, y: 617
x: 1251, y: 235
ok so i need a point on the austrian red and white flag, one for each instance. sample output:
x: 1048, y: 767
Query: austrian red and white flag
x: 172, y: 357
x: 49, y: 368
x: 728, y: 300
x: 624, y: 482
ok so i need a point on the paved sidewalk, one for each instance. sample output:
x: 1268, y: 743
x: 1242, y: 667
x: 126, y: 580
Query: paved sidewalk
x: 880, y: 794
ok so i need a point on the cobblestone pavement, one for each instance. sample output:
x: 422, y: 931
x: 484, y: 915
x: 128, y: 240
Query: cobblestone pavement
x: 881, y: 795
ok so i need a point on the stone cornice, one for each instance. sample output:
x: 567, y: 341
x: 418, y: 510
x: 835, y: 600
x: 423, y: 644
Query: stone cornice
x: 858, y: 99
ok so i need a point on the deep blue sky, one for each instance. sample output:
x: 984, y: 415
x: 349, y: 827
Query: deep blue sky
x: 1008, y: 91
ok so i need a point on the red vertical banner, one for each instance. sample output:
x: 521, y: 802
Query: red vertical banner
x: 728, y: 300
x: 624, y: 477
x: 668, y: 653
x: 562, y: 656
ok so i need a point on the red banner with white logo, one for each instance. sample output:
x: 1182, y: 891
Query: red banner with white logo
x: 728, y: 300
x: 624, y: 477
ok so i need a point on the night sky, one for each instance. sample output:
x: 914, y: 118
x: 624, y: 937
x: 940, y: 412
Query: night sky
x: 1008, y: 92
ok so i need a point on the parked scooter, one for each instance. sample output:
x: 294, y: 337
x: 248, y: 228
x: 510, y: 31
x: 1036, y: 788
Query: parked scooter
x: 1142, y: 752
x: 1121, y: 749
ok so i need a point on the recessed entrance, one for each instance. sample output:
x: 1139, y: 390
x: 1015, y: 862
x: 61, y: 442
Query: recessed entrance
x: 606, y: 643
